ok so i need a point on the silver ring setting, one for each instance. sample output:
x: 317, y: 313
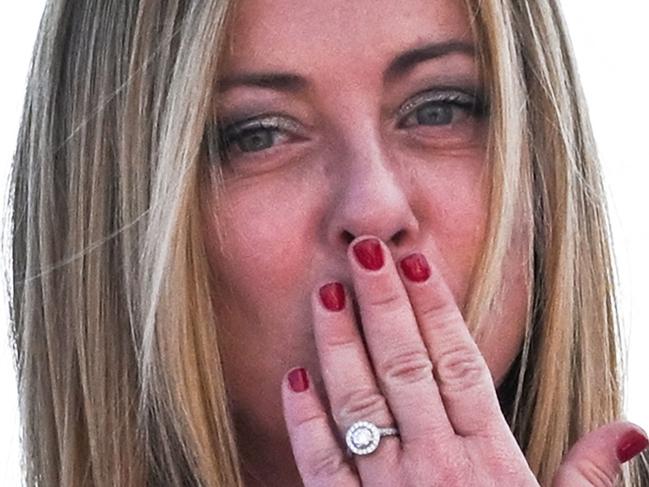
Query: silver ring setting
x: 363, y: 437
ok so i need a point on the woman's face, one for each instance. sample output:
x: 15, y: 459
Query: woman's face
x: 345, y: 119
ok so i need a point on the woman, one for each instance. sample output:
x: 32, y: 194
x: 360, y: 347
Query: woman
x: 247, y: 234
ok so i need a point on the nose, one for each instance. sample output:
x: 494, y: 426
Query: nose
x: 373, y: 198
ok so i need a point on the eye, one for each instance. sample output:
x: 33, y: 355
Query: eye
x: 434, y: 114
x: 254, y: 140
x: 256, y: 135
x: 440, y: 108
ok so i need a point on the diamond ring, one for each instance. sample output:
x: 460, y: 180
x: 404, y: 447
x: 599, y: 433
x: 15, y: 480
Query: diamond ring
x: 363, y: 437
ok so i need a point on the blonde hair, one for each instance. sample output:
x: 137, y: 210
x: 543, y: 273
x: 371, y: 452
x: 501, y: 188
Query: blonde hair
x: 115, y: 330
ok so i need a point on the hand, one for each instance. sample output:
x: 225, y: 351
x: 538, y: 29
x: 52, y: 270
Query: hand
x: 451, y: 429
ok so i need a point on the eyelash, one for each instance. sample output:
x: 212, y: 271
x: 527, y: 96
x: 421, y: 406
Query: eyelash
x: 472, y: 103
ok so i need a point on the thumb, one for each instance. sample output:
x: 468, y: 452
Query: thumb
x: 596, y: 459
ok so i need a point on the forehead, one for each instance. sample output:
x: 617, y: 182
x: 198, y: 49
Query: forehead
x: 315, y: 33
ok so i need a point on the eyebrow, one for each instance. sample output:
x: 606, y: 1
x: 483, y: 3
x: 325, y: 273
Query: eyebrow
x: 407, y: 60
x: 398, y: 67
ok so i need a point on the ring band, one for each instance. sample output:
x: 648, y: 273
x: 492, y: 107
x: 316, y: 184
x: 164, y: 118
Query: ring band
x: 363, y: 437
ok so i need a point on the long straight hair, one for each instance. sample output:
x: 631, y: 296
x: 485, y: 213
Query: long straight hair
x: 115, y: 326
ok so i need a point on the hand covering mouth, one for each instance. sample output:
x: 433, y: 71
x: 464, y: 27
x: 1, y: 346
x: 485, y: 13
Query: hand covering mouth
x: 357, y: 318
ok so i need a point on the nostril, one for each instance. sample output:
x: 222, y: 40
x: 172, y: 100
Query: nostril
x: 347, y: 237
x: 398, y: 237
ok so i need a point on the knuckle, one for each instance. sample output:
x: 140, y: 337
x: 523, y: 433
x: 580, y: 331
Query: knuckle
x: 310, y: 420
x: 325, y: 464
x: 594, y: 474
x: 438, y: 314
x: 361, y: 403
x: 340, y: 340
x: 387, y: 301
x: 322, y: 463
x: 408, y: 367
x: 460, y: 368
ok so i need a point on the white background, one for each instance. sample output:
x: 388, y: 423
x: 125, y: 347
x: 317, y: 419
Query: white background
x: 611, y: 41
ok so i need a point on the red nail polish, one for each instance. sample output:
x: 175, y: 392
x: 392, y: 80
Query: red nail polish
x: 332, y: 296
x: 630, y: 445
x: 415, y: 267
x: 298, y: 380
x: 369, y: 254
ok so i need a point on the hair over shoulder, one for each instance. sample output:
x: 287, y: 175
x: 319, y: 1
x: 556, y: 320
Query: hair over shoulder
x: 114, y: 327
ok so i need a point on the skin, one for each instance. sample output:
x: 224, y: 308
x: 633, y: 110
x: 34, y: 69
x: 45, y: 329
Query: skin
x: 354, y: 160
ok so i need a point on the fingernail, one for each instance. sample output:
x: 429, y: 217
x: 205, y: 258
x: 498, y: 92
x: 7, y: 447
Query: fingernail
x: 369, y: 254
x: 332, y: 296
x: 415, y: 267
x: 631, y: 444
x: 298, y: 380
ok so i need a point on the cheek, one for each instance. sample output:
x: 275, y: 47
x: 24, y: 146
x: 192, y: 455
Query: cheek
x: 266, y: 246
x: 460, y: 223
x: 267, y: 233
x: 504, y: 329
x: 503, y: 337
x: 456, y: 215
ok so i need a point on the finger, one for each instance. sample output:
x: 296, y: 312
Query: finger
x: 318, y: 457
x: 353, y: 392
x: 463, y: 378
x: 402, y: 363
x: 596, y: 459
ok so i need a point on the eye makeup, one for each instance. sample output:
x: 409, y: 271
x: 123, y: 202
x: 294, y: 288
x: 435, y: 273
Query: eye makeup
x: 246, y: 134
x: 473, y: 102
x: 234, y: 131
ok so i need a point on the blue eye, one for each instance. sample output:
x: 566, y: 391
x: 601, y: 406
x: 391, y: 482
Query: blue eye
x: 254, y: 140
x: 440, y: 108
x: 434, y: 114
x: 254, y: 135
